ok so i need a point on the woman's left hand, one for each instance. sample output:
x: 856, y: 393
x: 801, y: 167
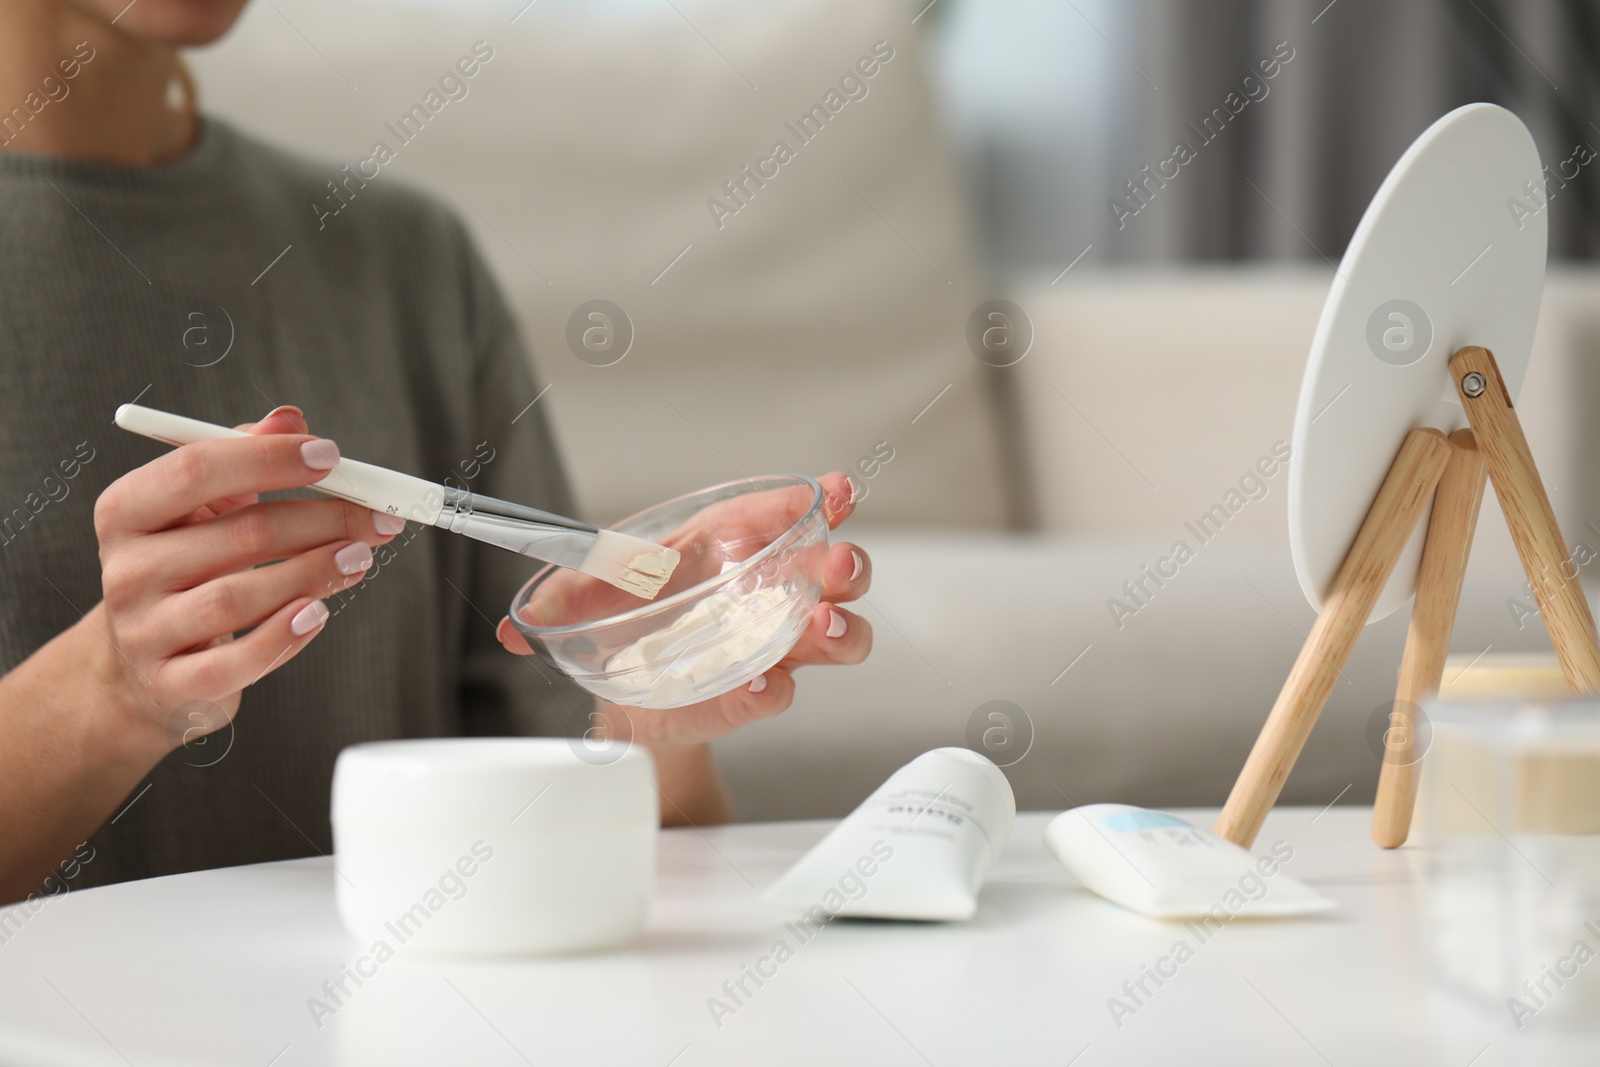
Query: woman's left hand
x: 834, y: 636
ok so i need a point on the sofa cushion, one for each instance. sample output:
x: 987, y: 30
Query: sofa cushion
x: 1149, y: 393
x: 1160, y: 710
x: 793, y: 335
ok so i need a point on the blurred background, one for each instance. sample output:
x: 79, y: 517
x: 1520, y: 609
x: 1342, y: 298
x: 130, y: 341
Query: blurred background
x: 820, y: 307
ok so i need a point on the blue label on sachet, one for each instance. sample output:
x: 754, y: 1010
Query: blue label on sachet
x: 1128, y: 821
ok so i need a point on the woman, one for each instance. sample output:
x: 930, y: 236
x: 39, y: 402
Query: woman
x: 149, y: 254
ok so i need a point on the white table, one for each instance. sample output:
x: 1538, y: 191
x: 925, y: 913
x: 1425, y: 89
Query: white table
x: 217, y: 967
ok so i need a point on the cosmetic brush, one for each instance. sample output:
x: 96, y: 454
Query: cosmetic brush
x: 630, y: 563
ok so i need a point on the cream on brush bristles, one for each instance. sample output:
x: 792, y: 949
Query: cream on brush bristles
x: 630, y: 563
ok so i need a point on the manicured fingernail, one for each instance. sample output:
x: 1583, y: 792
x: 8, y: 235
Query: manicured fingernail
x: 836, y: 624
x: 861, y: 565
x: 758, y: 684
x: 386, y: 523
x: 353, y: 559
x: 308, y: 618
x: 285, y: 409
x: 320, y: 455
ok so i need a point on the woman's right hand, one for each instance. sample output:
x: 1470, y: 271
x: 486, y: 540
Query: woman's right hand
x: 182, y: 541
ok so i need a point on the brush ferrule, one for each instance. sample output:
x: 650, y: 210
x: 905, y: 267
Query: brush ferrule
x: 516, y: 528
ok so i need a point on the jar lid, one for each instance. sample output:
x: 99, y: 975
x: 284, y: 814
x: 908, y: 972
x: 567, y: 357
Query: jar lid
x: 517, y: 782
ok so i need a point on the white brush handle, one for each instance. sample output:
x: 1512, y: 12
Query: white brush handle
x: 372, y: 487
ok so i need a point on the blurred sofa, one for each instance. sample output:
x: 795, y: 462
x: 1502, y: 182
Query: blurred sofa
x: 827, y: 318
x: 1185, y: 379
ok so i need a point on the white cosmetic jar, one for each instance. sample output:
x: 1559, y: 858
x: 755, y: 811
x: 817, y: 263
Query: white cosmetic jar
x: 493, y: 846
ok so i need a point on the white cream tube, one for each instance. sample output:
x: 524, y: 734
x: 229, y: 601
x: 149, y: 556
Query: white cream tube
x: 1158, y: 865
x: 918, y: 848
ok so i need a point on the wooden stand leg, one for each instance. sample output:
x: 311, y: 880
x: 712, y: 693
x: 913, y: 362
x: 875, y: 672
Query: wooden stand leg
x: 1444, y: 566
x: 1550, y: 569
x: 1394, y: 513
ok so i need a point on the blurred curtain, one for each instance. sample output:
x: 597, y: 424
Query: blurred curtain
x: 1367, y: 77
x: 1289, y: 177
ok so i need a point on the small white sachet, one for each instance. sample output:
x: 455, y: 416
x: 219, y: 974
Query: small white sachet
x: 1158, y: 865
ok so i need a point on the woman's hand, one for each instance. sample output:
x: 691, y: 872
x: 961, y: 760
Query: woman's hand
x: 834, y: 636
x: 87, y: 716
x: 182, y: 540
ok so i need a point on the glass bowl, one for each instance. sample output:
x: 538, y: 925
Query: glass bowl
x: 749, y: 579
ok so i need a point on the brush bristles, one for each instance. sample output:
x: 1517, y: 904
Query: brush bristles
x: 630, y: 563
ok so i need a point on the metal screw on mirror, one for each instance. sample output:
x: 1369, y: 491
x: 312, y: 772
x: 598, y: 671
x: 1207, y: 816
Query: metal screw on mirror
x: 1473, y: 384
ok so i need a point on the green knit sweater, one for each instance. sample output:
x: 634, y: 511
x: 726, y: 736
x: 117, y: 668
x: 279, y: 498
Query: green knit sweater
x: 207, y: 288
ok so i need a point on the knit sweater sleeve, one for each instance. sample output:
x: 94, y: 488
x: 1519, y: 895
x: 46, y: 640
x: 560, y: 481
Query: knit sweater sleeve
x: 514, y: 457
